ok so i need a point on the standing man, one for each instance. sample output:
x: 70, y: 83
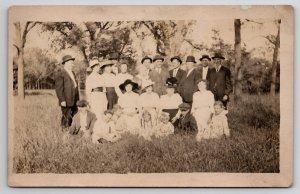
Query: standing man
x: 205, y: 60
x: 219, y: 80
x: 175, y: 70
x: 147, y: 62
x: 159, y: 75
x: 188, y: 84
x: 67, y: 92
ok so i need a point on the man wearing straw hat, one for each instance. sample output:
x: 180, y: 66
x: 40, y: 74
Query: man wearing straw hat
x: 66, y: 88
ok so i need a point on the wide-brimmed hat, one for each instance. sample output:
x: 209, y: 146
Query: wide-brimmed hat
x: 205, y: 57
x: 67, y: 58
x: 177, y: 58
x: 145, y: 58
x: 218, y: 56
x: 106, y: 63
x: 135, y: 86
x: 158, y: 57
x: 82, y: 103
x: 184, y: 106
x: 171, y: 82
x: 146, y: 84
x: 190, y: 59
x: 93, y: 62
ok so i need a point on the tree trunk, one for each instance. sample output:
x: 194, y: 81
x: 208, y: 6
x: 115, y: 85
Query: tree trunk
x: 238, y: 60
x: 19, y: 44
x: 274, y: 63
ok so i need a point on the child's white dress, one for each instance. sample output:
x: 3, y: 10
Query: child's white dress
x: 218, y: 126
x: 163, y: 129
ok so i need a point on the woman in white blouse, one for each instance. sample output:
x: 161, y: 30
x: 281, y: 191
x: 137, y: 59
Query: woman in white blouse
x: 149, y: 101
x: 95, y: 90
x: 170, y: 102
x: 129, y: 103
x: 203, y: 106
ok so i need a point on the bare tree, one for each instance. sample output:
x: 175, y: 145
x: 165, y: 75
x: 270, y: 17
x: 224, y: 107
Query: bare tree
x: 237, y: 85
x: 275, y: 57
x: 21, y: 37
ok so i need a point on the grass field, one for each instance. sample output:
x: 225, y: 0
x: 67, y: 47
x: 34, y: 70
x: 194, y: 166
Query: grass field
x: 253, y: 146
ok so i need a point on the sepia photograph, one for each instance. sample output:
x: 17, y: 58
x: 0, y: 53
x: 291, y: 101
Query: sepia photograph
x: 150, y: 96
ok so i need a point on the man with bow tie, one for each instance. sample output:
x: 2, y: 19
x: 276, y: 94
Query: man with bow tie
x: 175, y: 70
x: 219, y: 80
x: 67, y: 92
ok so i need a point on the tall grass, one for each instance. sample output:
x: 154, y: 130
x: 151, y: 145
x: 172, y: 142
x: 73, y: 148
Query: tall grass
x: 253, y: 146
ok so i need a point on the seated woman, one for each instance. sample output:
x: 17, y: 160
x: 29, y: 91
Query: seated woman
x: 202, y: 107
x: 105, y: 131
x: 83, y: 121
x: 129, y: 103
x: 170, y: 102
x: 164, y: 127
x: 149, y: 101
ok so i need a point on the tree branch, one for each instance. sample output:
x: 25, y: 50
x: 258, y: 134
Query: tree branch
x: 198, y: 47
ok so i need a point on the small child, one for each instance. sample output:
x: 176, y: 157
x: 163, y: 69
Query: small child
x: 164, y: 127
x: 118, y: 119
x: 147, y: 127
x: 218, y: 126
x: 83, y: 121
x: 105, y: 129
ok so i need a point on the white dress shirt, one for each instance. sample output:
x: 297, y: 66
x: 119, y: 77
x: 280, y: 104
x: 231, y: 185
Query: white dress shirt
x: 204, y: 72
x: 71, y: 74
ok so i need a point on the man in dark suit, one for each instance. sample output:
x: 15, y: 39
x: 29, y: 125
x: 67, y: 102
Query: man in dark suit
x: 159, y: 76
x: 205, y: 60
x: 175, y: 70
x: 188, y: 84
x: 67, y: 92
x: 219, y: 80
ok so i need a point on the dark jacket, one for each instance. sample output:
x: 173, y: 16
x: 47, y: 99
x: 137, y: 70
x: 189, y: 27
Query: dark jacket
x: 90, y: 121
x: 159, y: 80
x: 65, y: 89
x: 188, y: 85
x: 187, y: 123
x: 180, y: 74
x: 219, y: 83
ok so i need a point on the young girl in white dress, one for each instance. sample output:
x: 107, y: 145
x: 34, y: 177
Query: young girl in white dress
x: 147, y: 129
x: 219, y: 125
x: 164, y: 127
x: 202, y: 108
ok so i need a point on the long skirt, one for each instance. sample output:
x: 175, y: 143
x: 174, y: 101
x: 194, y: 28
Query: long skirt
x: 202, y: 115
x: 98, y: 103
x: 172, y: 113
x: 112, y: 97
x: 132, y: 123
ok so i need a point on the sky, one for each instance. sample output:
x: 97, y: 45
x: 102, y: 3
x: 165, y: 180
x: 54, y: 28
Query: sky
x: 201, y: 32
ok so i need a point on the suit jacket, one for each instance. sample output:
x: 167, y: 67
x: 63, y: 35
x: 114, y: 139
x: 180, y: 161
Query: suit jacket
x: 159, y: 80
x: 219, y: 83
x: 188, y: 85
x: 180, y: 74
x: 90, y: 122
x: 187, y: 123
x: 65, y: 89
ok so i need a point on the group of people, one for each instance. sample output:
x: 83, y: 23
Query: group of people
x: 157, y: 101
